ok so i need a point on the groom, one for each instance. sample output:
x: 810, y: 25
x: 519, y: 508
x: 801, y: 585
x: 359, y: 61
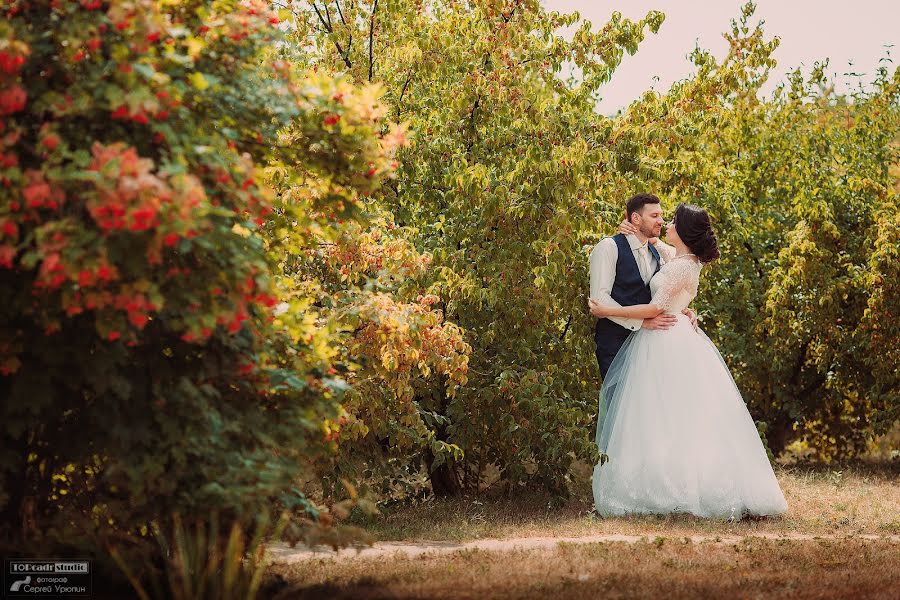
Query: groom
x: 621, y: 268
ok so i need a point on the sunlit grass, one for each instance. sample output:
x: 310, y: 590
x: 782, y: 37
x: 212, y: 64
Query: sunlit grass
x: 666, y: 567
x: 834, y: 501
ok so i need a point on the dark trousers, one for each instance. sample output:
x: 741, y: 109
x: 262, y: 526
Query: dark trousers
x: 608, y: 340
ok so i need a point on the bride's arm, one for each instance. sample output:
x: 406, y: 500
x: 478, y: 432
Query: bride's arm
x: 667, y: 251
x: 672, y: 279
x: 637, y: 311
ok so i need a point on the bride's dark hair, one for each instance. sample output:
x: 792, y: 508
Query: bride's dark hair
x: 695, y: 230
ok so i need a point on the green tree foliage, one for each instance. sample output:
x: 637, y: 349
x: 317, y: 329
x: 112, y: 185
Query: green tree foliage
x: 512, y: 177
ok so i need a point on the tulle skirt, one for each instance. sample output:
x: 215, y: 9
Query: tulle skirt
x: 677, y: 433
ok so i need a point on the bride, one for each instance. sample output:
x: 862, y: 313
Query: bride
x: 672, y: 421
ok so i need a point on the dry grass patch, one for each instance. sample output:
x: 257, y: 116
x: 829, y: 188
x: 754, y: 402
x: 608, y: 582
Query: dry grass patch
x: 859, y: 500
x: 665, y: 568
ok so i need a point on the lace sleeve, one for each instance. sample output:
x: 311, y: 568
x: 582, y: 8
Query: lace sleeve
x: 677, y: 275
x: 666, y: 251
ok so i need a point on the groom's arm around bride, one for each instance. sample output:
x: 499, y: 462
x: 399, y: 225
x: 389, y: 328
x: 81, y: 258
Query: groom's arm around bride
x: 602, y: 278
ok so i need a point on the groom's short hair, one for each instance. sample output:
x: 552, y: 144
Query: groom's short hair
x: 637, y: 202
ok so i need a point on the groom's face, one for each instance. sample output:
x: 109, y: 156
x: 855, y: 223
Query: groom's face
x: 649, y: 220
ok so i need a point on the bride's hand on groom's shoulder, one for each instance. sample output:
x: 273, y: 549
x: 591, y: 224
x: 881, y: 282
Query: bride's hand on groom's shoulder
x: 626, y: 228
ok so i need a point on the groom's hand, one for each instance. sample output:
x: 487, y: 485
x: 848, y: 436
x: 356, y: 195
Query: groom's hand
x: 692, y: 316
x: 660, y: 321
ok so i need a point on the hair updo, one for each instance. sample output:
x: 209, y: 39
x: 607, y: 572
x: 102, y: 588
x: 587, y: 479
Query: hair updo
x: 693, y: 227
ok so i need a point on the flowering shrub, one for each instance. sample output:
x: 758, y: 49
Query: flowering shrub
x: 145, y: 371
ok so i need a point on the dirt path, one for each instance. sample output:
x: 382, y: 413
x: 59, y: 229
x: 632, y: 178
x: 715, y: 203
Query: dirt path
x: 285, y: 554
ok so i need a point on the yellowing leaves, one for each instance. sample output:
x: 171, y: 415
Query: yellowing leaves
x: 194, y: 46
x: 198, y: 80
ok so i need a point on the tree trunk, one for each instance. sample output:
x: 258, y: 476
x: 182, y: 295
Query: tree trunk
x: 778, y: 435
x: 444, y: 480
x: 14, y: 483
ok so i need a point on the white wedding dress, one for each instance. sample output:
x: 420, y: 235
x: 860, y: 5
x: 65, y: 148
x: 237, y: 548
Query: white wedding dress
x: 673, y: 423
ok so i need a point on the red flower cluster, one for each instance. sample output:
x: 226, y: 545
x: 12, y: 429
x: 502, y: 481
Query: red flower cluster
x: 12, y: 96
x: 38, y: 193
x: 12, y: 99
x: 129, y: 194
x: 11, y: 63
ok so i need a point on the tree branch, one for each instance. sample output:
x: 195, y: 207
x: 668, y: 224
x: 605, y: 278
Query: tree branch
x: 330, y: 30
x: 472, y: 125
x: 337, y: 3
x: 563, y: 335
x: 321, y: 18
x: 371, y: 38
x: 403, y: 91
x: 511, y: 12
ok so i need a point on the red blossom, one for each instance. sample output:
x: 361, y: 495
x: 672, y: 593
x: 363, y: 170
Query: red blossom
x: 113, y: 335
x: 85, y: 277
x: 10, y: 229
x: 12, y: 100
x: 245, y: 368
x: 93, y: 44
x: 267, y: 300
x: 39, y: 193
x: 331, y: 119
x: 170, y: 239
x: 11, y: 63
x: 138, y: 319
x: 120, y: 113
x: 105, y: 273
x: 51, y: 142
x: 7, y: 254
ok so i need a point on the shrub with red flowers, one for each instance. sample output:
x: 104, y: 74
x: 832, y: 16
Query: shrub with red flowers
x: 144, y: 368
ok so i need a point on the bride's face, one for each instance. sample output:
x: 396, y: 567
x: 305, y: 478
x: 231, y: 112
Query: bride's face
x: 671, y: 232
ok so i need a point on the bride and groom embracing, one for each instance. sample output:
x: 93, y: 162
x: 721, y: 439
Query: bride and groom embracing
x: 672, y: 422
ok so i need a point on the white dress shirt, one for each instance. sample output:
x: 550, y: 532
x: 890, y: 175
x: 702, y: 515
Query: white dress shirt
x: 604, y: 257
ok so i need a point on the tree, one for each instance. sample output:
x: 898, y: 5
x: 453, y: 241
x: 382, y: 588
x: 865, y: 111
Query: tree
x: 146, y: 372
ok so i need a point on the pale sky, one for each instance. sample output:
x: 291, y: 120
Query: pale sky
x: 810, y: 30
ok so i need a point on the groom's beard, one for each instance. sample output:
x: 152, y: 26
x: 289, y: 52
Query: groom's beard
x: 649, y: 232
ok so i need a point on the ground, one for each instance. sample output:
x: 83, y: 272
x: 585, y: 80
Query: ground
x: 841, y: 538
